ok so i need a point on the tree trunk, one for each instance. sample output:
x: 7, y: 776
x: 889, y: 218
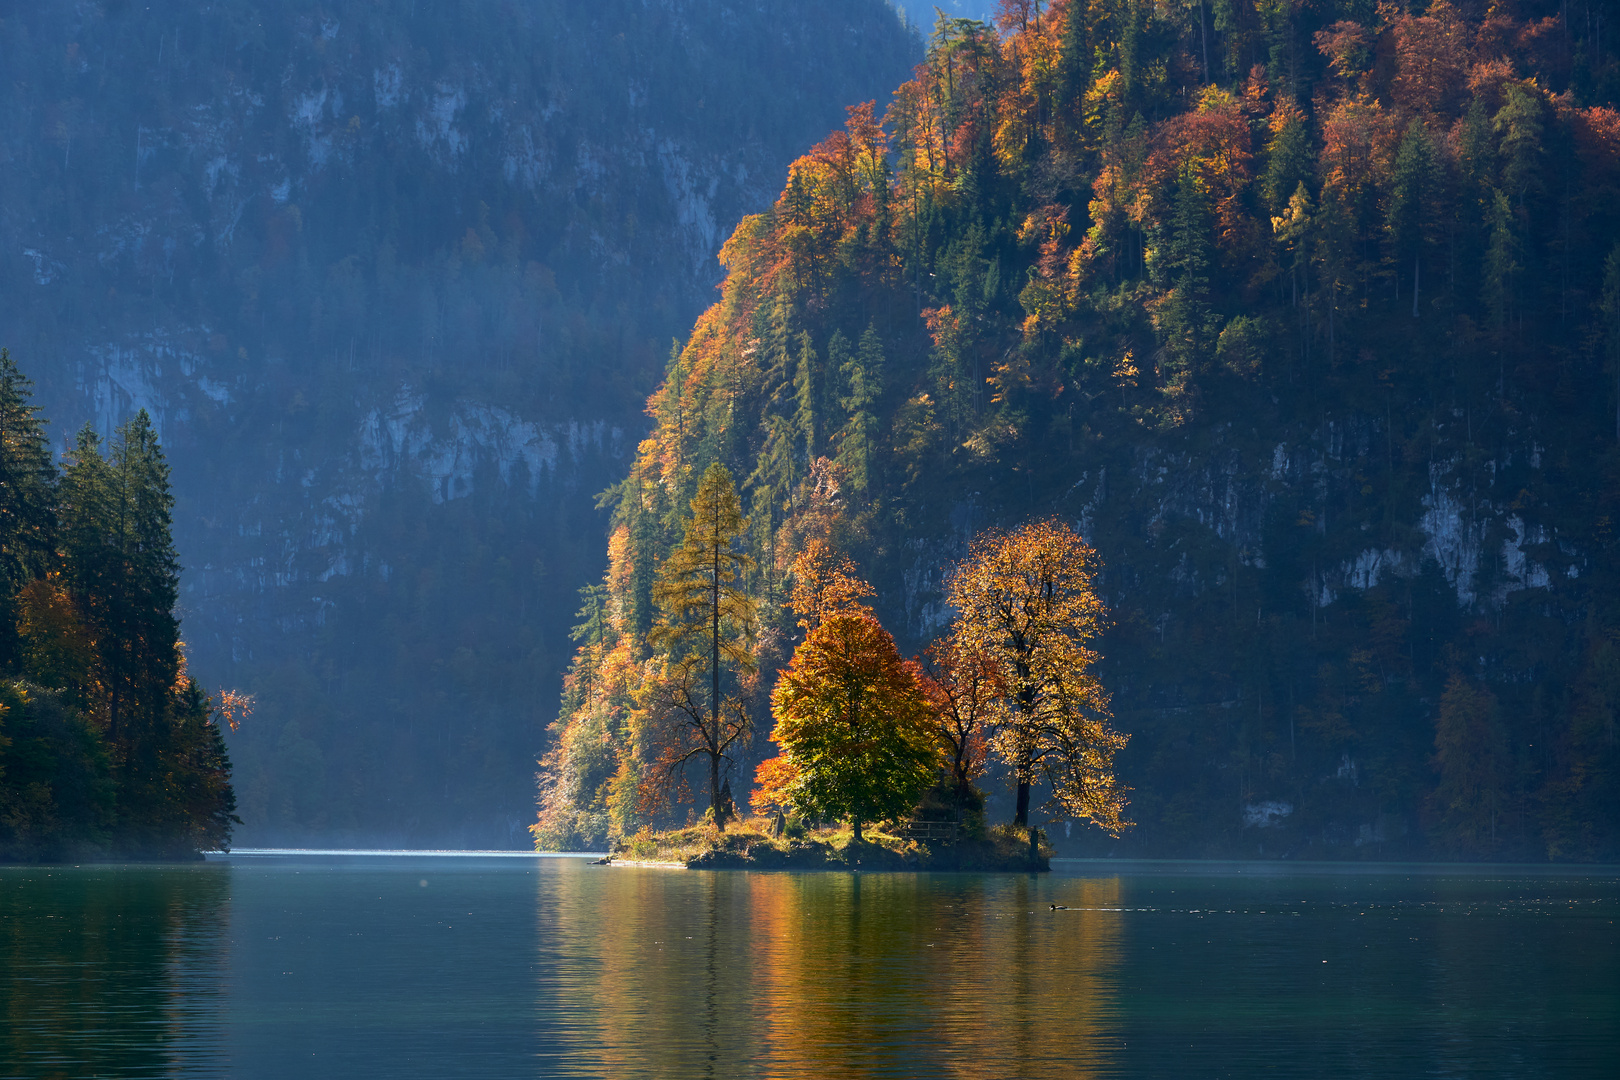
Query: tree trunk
x: 1021, y: 815
x: 714, y: 701
x: 714, y: 792
x: 857, y: 822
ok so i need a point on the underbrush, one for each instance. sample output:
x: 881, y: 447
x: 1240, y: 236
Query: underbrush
x: 751, y: 844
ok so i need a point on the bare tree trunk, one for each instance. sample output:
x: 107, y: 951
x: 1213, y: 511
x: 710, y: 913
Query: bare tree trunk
x: 714, y: 700
x: 714, y: 792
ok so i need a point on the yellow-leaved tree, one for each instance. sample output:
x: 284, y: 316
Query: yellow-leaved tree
x: 703, y: 639
x: 1027, y: 606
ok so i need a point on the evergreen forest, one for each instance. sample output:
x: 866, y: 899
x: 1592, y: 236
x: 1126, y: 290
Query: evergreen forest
x: 108, y: 747
x: 1305, y: 316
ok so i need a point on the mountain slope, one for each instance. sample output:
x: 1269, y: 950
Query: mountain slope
x: 392, y: 279
x: 1305, y: 317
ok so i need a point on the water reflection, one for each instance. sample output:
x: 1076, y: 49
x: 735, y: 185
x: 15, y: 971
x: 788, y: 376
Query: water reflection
x: 827, y: 974
x: 329, y: 966
x: 112, y: 971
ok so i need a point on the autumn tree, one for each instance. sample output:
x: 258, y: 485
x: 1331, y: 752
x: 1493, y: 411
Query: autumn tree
x: 853, y: 721
x: 1027, y: 603
x: 704, y: 632
x: 825, y: 583
x: 962, y: 687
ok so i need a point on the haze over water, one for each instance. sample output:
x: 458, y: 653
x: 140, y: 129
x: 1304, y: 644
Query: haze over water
x: 401, y: 966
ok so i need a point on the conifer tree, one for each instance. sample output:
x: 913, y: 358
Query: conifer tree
x: 123, y: 572
x: 706, y: 627
x: 863, y: 382
x: 1414, y: 190
x: 809, y: 392
x: 27, y: 497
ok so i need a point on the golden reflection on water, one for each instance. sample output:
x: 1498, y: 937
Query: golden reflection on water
x: 836, y: 974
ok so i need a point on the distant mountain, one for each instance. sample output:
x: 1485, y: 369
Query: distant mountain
x: 393, y: 279
x: 1307, y: 317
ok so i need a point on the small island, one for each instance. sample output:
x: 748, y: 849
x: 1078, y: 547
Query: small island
x: 889, y: 751
x: 754, y: 844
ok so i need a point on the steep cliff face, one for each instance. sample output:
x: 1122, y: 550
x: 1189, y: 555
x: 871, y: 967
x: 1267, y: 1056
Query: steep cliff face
x: 392, y: 280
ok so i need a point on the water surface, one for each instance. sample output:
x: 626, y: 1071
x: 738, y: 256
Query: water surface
x: 274, y: 965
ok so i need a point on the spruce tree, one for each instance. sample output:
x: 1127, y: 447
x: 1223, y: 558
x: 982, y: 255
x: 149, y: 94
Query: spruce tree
x: 863, y: 380
x: 123, y: 572
x: 27, y: 498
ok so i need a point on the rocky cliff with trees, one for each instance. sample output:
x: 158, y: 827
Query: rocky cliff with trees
x: 1306, y: 317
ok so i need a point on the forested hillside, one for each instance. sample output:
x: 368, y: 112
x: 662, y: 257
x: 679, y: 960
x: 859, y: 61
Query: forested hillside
x: 1307, y: 316
x: 392, y: 280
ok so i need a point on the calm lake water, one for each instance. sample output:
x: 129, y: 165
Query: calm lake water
x: 417, y: 966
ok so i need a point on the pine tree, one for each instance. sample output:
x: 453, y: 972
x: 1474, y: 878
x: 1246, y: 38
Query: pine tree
x: 124, y: 575
x: 809, y: 394
x: 27, y: 498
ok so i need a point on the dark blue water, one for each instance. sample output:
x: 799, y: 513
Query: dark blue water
x: 306, y: 965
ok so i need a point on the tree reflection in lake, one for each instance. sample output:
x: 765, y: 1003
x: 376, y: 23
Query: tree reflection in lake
x: 306, y: 965
x: 113, y: 970
x: 833, y: 974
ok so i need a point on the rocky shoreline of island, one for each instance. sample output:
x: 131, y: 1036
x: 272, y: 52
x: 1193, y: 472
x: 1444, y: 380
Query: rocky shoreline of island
x: 750, y: 847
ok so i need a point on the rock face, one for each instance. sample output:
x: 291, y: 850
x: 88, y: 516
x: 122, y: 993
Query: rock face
x: 393, y: 280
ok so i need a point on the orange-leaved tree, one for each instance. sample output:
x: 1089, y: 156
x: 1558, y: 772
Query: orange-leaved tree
x: 962, y: 687
x: 853, y: 722
x: 704, y: 633
x: 773, y: 785
x: 825, y: 583
x: 1027, y: 604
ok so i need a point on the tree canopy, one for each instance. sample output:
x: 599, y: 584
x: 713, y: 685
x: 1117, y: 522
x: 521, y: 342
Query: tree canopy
x: 853, y: 722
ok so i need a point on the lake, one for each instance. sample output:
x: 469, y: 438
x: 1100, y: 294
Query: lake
x: 316, y: 965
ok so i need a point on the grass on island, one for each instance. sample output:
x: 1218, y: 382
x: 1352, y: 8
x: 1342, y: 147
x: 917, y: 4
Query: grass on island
x: 750, y: 844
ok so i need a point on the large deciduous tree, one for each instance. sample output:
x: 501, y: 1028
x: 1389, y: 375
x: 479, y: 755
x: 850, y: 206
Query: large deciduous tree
x: 704, y: 632
x: 1027, y: 605
x: 853, y: 721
